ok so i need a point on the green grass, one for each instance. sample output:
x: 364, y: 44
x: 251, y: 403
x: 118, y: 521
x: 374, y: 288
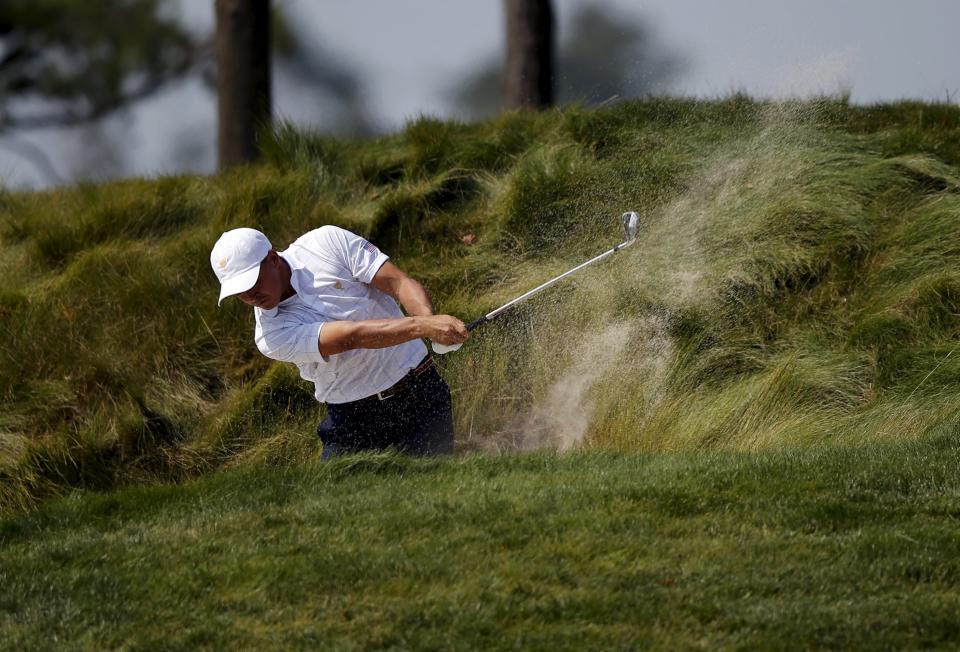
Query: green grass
x: 762, y: 395
x: 852, y: 547
x: 793, y: 285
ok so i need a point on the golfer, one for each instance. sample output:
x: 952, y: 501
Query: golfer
x: 328, y: 304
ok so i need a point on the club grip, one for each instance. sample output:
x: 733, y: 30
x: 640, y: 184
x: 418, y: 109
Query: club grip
x: 478, y: 322
x: 447, y: 348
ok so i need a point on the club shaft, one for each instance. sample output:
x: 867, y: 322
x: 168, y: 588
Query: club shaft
x: 544, y: 286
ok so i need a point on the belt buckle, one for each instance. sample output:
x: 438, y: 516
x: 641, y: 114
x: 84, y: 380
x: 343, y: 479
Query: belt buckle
x: 383, y: 396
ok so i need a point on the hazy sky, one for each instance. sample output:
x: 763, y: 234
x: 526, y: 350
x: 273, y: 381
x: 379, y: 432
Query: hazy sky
x: 411, y: 53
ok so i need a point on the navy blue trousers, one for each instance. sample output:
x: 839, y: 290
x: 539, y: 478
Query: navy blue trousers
x: 417, y: 422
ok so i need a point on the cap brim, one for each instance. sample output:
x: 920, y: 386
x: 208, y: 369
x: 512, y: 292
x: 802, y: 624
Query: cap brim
x: 239, y: 283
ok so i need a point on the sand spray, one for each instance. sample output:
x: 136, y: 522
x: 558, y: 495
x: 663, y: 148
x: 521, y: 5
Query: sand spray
x: 610, y: 331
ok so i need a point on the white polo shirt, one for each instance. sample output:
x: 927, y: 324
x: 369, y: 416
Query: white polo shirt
x: 331, y: 273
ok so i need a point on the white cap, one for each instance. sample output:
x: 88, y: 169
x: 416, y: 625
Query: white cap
x: 236, y: 260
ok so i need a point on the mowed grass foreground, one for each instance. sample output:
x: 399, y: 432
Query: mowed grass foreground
x: 842, y: 547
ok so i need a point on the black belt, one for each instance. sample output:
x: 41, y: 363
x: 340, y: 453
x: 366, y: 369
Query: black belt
x: 403, y: 384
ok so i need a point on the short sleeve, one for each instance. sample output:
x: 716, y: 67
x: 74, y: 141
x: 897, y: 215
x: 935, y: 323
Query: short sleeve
x: 291, y: 342
x: 361, y: 256
x: 356, y: 256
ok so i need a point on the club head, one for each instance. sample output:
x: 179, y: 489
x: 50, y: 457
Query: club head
x: 631, y: 222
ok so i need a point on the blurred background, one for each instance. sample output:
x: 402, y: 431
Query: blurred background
x: 118, y: 88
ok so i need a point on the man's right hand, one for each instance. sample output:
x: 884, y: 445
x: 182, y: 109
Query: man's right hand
x: 444, y: 329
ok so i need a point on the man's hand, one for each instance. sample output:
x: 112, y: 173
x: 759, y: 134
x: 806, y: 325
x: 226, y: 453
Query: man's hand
x: 444, y: 329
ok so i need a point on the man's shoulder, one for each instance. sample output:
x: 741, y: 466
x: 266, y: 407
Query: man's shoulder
x: 316, y: 247
x: 322, y: 237
x: 327, y: 249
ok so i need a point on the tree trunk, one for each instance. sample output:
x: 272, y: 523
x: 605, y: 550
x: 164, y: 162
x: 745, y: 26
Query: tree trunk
x: 528, y: 82
x: 243, y: 78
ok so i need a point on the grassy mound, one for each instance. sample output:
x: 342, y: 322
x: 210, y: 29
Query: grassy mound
x: 796, y: 283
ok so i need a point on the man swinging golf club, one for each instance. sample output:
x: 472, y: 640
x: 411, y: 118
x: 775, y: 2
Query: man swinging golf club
x: 328, y: 304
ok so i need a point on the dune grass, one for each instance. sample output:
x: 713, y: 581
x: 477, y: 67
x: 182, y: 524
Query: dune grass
x: 794, y: 284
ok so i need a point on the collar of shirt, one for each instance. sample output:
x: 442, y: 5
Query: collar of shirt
x: 295, y: 267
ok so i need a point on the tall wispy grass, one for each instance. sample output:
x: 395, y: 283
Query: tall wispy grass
x: 796, y: 290
x: 792, y: 284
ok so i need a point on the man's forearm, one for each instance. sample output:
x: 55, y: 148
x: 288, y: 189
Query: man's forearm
x: 391, y: 280
x: 339, y: 336
x: 414, y: 298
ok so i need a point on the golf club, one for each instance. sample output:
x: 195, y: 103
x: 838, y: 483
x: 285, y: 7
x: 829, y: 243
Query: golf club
x: 631, y: 222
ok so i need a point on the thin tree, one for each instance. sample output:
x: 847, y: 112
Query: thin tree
x: 528, y: 74
x: 73, y: 64
x: 243, y: 78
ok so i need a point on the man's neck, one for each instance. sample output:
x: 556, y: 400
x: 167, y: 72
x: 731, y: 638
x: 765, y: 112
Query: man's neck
x: 286, y: 274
